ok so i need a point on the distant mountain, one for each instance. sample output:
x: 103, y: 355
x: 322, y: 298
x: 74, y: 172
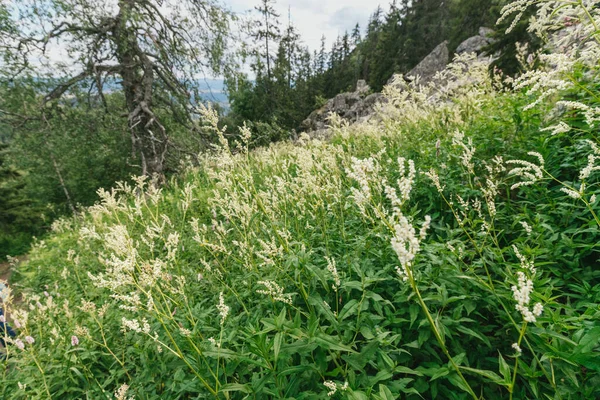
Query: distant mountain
x: 213, y: 90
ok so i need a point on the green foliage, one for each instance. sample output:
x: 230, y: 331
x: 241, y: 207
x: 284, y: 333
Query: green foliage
x: 445, y: 249
x: 277, y: 273
x: 75, y: 150
x: 20, y: 218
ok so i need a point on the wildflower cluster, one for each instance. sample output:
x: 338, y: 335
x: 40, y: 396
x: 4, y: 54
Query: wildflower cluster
x: 275, y: 292
x: 521, y: 294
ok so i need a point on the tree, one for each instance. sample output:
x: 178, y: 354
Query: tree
x: 152, y: 50
x: 322, y: 57
x: 356, y: 37
x: 268, y: 31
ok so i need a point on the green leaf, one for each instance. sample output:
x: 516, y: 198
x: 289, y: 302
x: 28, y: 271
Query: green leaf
x: 349, y: 309
x: 458, y: 382
x: 277, y: 345
x: 235, y: 387
x: 471, y: 332
x: 381, y: 376
x: 494, y: 377
x: 405, y: 370
x: 385, y: 393
x: 413, y: 310
x: 357, y: 395
x: 295, y: 370
x: 504, y: 369
x: 331, y: 343
x: 317, y: 301
x: 298, y: 347
x: 589, y: 341
x: 440, y: 372
x: 359, y: 361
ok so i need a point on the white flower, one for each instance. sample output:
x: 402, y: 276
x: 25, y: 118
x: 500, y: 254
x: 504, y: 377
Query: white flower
x: 424, y: 228
x: 538, y: 308
x: 331, y: 267
x: 133, y: 325
x: 29, y: 339
x: 331, y: 386
x: 522, y: 295
x: 527, y: 170
x: 122, y: 392
x: 561, y: 127
x: 406, y: 243
x: 275, y: 292
x: 20, y: 345
x: 525, y: 264
x: 526, y: 226
x: 571, y: 193
x: 223, y: 308
x: 517, y: 348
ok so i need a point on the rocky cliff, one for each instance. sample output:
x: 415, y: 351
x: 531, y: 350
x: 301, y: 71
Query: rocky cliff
x: 360, y: 104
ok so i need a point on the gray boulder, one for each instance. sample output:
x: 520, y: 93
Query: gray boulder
x: 350, y: 106
x: 362, y: 88
x: 486, y: 32
x: 475, y: 44
x: 435, y: 62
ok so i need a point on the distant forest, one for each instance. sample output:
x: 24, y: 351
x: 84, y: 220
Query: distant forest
x: 291, y: 81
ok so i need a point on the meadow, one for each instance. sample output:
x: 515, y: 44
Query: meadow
x: 448, y: 248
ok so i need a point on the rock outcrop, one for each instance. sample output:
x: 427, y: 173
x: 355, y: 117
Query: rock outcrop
x: 350, y: 106
x: 477, y: 43
x: 435, y: 62
x: 359, y: 105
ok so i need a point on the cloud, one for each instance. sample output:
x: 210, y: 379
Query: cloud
x: 314, y: 18
x: 346, y: 18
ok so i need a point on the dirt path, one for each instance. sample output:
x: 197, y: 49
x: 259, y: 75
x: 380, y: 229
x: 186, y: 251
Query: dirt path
x: 5, y: 267
x: 4, y: 271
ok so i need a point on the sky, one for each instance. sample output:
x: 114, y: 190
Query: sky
x: 313, y: 18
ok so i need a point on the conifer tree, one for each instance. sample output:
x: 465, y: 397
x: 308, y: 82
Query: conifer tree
x: 356, y: 36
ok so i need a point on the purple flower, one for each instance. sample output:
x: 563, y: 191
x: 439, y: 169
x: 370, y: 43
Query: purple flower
x: 74, y: 340
x: 29, y: 339
x: 20, y: 344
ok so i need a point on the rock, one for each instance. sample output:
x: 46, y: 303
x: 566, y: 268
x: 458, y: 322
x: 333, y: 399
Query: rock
x: 398, y: 80
x: 373, y: 99
x: 435, y: 62
x: 475, y: 44
x: 362, y: 88
x: 349, y: 106
x: 486, y: 32
x: 472, y: 45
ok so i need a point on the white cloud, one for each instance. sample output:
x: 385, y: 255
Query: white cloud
x: 315, y: 18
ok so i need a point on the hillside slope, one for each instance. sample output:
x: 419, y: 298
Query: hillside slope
x: 446, y: 249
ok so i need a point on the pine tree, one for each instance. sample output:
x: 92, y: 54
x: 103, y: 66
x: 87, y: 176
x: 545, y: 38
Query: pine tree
x: 345, y: 44
x: 322, y: 57
x: 267, y: 32
x: 356, y: 37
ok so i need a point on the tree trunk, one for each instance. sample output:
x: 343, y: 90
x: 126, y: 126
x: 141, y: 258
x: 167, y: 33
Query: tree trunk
x: 137, y: 72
